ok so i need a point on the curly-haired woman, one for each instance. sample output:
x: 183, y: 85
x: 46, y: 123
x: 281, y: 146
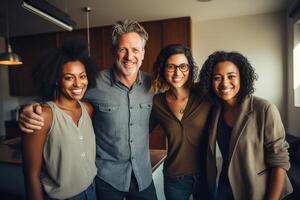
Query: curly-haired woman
x: 246, y: 130
x: 59, y: 159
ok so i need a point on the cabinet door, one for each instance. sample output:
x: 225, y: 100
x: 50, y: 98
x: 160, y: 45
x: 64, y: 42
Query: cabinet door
x: 107, y: 57
x: 96, y: 48
x: 177, y: 30
x: 153, y: 45
x: 31, y: 49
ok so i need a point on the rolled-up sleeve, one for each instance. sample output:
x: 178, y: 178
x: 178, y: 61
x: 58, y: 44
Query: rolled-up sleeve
x: 275, y: 145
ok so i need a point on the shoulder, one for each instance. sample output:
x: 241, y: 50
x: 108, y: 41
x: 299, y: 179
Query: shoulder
x: 145, y: 75
x: 158, y: 98
x: 145, y: 78
x: 103, y: 77
x: 264, y: 106
x: 104, y: 72
x: 260, y: 101
x: 47, y: 112
x: 88, y: 107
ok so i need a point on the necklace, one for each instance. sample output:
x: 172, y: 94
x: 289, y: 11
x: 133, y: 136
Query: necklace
x: 182, y: 110
x: 179, y: 103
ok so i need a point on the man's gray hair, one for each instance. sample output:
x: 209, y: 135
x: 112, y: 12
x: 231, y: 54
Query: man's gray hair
x: 128, y: 26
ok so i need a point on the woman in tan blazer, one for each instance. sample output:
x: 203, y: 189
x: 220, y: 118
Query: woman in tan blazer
x: 247, y: 154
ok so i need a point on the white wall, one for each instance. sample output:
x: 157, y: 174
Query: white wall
x: 261, y: 38
x: 293, y: 112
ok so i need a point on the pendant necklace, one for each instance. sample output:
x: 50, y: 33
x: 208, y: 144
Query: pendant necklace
x: 182, y: 110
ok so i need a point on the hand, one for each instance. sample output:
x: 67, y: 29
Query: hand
x: 30, y: 119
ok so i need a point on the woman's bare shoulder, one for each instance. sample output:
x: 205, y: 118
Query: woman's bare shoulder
x: 88, y: 107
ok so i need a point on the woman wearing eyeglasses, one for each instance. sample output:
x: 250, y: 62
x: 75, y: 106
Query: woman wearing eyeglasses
x: 182, y: 115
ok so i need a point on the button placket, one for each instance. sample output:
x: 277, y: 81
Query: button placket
x: 131, y: 122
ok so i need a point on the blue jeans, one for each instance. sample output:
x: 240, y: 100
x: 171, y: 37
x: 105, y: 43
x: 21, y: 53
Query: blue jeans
x: 108, y: 192
x: 88, y: 194
x: 181, y: 187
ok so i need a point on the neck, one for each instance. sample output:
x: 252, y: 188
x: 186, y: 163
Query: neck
x: 179, y: 93
x: 128, y: 81
x: 232, y: 105
x: 63, y: 102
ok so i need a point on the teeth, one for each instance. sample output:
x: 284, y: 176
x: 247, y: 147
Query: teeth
x: 177, y: 79
x: 226, y: 90
x: 77, y: 91
x: 129, y: 63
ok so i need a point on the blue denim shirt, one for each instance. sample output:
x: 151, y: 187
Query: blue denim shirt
x: 121, y: 124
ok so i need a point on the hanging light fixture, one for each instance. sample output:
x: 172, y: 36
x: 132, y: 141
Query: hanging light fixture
x: 9, y: 57
x: 88, y: 10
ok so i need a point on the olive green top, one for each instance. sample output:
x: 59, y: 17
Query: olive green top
x: 69, y: 155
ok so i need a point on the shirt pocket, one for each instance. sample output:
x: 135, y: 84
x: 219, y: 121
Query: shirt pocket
x: 144, y: 113
x: 107, y: 119
x: 108, y: 108
x: 145, y: 105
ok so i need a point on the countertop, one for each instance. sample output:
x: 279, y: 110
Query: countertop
x: 10, y: 153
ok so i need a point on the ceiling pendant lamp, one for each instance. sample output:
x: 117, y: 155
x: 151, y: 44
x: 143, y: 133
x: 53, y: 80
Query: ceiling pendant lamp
x: 88, y: 10
x: 9, y: 57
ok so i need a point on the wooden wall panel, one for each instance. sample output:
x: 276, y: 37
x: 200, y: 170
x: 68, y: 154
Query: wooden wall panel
x: 107, y: 47
x: 31, y: 49
x: 96, y: 46
x: 153, y: 45
x: 177, y: 31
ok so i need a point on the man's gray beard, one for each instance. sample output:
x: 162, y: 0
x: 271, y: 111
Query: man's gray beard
x: 121, y: 69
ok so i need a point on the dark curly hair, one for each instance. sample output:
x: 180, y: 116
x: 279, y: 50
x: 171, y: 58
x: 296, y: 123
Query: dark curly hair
x: 46, y: 75
x: 159, y: 82
x: 247, y: 74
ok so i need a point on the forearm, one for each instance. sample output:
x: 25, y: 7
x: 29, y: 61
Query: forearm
x: 275, y: 183
x: 33, y: 187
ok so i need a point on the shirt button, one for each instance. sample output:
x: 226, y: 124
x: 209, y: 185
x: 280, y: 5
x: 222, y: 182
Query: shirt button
x: 131, y: 124
x: 130, y: 141
x: 131, y: 107
x: 132, y: 158
x: 83, y: 155
x: 81, y: 137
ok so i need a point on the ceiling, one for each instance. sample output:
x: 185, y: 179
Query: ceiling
x: 107, y: 12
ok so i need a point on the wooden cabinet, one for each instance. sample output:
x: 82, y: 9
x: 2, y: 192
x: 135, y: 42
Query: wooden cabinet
x: 31, y: 48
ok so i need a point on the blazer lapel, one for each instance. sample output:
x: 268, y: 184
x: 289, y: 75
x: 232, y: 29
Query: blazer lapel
x: 213, y: 169
x: 213, y: 129
x: 246, y: 108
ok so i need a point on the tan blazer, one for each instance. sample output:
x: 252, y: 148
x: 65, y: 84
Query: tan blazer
x: 257, y: 143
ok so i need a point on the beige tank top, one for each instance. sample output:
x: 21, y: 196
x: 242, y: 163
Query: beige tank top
x: 69, y: 155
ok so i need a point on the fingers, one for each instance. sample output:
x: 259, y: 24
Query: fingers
x: 28, y: 128
x: 38, y: 109
x: 23, y: 129
x: 29, y: 120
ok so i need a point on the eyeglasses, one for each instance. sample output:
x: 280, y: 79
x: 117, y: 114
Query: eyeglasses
x: 184, y: 67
